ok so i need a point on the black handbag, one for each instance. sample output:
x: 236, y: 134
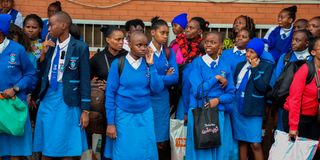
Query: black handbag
x: 206, y: 126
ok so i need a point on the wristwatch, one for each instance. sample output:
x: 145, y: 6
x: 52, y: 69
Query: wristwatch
x: 16, y: 89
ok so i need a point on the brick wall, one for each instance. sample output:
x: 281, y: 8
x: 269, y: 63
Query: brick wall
x: 213, y: 12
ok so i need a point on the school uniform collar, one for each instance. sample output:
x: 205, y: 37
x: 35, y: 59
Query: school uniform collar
x: 134, y: 63
x: 64, y: 44
x: 302, y: 55
x: 235, y: 49
x: 4, y: 45
x: 155, y: 49
x: 286, y: 31
x: 208, y: 60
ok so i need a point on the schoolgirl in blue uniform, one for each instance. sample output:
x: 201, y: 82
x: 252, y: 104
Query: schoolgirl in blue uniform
x: 280, y: 37
x: 251, y: 80
x: 20, y: 75
x: 215, y: 75
x: 167, y: 69
x: 64, y: 94
x: 7, y: 7
x: 128, y: 103
x: 299, y: 51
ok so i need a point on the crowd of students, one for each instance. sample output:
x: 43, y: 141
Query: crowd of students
x: 47, y: 65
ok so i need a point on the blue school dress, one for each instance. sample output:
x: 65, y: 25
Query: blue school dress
x: 279, y: 42
x: 129, y: 108
x: 279, y: 69
x: 160, y: 101
x: 203, y: 74
x: 55, y: 119
x: 249, y: 103
x: 17, y: 69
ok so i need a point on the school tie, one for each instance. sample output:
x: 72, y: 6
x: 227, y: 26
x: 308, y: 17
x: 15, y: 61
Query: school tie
x: 213, y: 64
x: 54, y: 70
x: 242, y: 88
x: 283, y: 36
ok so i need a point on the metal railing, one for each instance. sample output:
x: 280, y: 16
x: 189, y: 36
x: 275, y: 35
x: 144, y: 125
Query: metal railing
x: 90, y: 30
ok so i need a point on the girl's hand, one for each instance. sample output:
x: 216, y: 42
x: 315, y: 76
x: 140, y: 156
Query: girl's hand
x: 84, y: 119
x: 213, y: 102
x: 255, y: 62
x: 293, y: 135
x: 223, y: 81
x: 111, y: 131
x: 170, y: 71
x: 45, y: 47
x: 149, y: 56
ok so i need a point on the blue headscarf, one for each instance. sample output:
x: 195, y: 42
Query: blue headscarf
x: 256, y: 44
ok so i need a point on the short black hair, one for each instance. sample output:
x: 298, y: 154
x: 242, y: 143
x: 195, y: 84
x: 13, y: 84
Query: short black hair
x: 251, y: 33
x: 219, y: 34
x: 65, y: 17
x: 312, y: 43
x: 34, y: 17
x: 134, y: 23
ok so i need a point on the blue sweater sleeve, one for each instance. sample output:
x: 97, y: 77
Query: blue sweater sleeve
x: 172, y: 78
x: 29, y: 78
x: 262, y: 77
x: 156, y: 83
x: 111, y: 91
x: 277, y: 70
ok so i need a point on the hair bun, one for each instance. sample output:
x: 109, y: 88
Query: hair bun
x: 155, y: 19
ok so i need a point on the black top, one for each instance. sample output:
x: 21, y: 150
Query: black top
x: 98, y: 64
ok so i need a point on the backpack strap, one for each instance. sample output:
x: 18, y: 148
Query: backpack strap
x: 311, y: 71
x: 167, y: 51
x: 287, y: 57
x: 120, y: 65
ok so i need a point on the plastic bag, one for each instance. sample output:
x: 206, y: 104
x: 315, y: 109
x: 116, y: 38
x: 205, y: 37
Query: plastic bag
x: 178, y: 137
x: 300, y: 149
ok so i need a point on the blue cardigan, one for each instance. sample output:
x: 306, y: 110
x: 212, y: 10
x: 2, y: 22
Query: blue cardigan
x: 256, y: 88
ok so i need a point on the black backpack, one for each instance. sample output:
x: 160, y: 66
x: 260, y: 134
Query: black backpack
x: 281, y: 88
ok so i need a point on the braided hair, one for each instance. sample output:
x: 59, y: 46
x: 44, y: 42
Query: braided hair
x: 250, y: 25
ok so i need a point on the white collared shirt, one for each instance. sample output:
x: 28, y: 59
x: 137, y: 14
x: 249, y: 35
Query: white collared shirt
x: 302, y: 55
x: 235, y: 49
x: 63, y: 48
x: 208, y: 60
x: 4, y: 45
x: 134, y: 63
x: 286, y: 31
x: 242, y: 73
x: 19, y: 19
x: 155, y: 49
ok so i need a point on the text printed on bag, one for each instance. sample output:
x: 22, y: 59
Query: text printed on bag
x: 210, y: 128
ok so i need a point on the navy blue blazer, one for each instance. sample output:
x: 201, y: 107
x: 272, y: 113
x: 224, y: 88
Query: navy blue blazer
x: 76, y: 75
x: 256, y: 89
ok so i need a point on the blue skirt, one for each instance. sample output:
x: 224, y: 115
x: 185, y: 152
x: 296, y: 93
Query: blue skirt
x: 161, y: 112
x: 17, y: 145
x: 219, y: 153
x: 57, y: 131
x: 135, y: 137
x: 246, y: 128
